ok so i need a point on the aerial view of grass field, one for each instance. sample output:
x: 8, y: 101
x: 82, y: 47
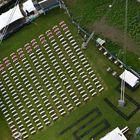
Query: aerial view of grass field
x: 70, y: 70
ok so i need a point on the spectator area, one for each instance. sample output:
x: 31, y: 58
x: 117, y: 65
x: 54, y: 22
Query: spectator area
x: 44, y: 81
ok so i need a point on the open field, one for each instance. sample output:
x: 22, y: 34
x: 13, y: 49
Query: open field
x: 99, y: 64
x: 90, y: 11
x: 96, y: 15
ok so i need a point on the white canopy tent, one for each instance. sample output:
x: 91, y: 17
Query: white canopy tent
x: 129, y: 78
x: 116, y: 134
x: 10, y: 16
x: 100, y: 41
x: 28, y: 5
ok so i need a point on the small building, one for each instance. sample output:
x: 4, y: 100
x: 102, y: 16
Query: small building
x: 116, y: 134
x: 131, y: 79
x: 47, y: 5
x: 28, y: 7
x: 100, y: 42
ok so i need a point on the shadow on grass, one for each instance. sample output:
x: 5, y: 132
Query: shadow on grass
x: 121, y: 112
x: 92, y: 125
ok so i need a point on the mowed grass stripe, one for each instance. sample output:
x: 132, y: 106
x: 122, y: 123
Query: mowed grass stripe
x: 28, y: 92
x: 63, y: 71
x: 14, y: 104
x: 39, y: 80
x: 50, y: 81
x: 79, y: 60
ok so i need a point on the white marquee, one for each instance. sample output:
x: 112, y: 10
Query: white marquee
x: 28, y: 5
x: 10, y: 16
x: 116, y: 134
x: 129, y: 78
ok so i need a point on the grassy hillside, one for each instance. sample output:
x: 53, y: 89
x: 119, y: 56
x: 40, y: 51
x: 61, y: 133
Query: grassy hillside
x: 89, y: 11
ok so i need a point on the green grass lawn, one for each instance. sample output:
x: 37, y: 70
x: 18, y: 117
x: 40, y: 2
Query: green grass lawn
x: 117, y: 50
x: 87, y: 12
x: 99, y: 64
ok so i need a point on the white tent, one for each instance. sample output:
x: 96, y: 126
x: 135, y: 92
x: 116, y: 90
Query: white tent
x: 28, y: 5
x: 100, y: 41
x: 129, y: 78
x: 116, y: 134
x: 10, y: 16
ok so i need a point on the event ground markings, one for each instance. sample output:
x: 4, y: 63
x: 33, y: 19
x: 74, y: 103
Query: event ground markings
x: 124, y: 115
x: 90, y: 125
x: 94, y: 131
x: 44, y: 81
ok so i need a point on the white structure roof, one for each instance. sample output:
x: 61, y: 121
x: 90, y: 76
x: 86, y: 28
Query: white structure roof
x: 116, y: 134
x: 28, y: 5
x: 10, y: 16
x: 129, y: 78
x: 42, y: 1
x: 100, y: 41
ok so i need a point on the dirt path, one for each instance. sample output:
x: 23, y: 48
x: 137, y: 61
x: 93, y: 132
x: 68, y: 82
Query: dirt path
x: 115, y: 35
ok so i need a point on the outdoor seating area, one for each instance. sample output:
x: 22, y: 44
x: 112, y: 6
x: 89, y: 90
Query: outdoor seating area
x: 45, y: 80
